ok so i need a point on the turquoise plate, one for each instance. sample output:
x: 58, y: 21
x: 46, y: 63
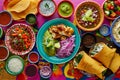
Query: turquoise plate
x: 54, y: 59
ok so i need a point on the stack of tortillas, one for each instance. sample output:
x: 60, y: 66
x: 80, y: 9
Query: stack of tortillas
x: 20, y: 8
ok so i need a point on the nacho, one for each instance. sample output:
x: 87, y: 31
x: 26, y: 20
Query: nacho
x: 19, y: 6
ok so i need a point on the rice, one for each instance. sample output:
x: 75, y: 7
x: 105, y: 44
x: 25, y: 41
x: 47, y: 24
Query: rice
x: 15, y: 65
x: 47, y: 7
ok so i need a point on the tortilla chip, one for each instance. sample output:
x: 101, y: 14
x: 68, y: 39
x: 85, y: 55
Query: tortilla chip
x: 32, y: 8
x: 12, y: 3
x: 15, y: 16
x: 115, y: 64
x: 90, y: 65
x: 19, y: 6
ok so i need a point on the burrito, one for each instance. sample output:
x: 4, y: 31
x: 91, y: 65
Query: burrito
x: 84, y: 62
x: 115, y: 64
x: 102, y: 53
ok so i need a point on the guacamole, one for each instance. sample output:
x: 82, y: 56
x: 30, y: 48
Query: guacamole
x: 49, y: 44
x: 65, y: 9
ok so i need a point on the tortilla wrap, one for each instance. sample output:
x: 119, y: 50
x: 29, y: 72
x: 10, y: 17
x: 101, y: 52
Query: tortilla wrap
x: 105, y: 55
x: 90, y: 65
x: 115, y: 64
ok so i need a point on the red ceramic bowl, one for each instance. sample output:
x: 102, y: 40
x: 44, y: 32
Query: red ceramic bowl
x: 31, y: 33
x: 51, y: 13
x: 70, y: 4
x: 101, y: 13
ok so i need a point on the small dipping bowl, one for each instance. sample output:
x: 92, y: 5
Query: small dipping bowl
x: 14, y: 65
x: 4, y: 53
x: 104, y: 30
x: 45, y: 72
x: 33, y: 57
x: 88, y: 40
x: 47, y: 8
x: 31, y: 71
x: 31, y: 19
x: 1, y: 32
x: 65, y: 9
x: 5, y: 18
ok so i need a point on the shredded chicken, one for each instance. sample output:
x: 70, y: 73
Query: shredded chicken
x: 61, y: 31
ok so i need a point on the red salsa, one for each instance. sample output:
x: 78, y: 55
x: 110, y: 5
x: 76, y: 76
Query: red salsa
x: 33, y: 57
x: 3, y: 52
x: 5, y: 18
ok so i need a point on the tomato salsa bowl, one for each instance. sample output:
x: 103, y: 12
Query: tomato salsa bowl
x: 20, y: 39
x: 33, y: 57
x: 89, y: 16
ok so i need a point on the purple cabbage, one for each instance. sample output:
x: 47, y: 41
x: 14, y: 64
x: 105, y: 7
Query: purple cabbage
x: 66, y: 47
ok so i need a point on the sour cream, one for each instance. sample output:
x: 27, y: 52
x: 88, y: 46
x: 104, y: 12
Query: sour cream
x: 46, y: 7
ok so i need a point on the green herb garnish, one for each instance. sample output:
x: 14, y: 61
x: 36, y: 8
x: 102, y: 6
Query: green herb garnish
x: 47, y: 6
x: 119, y: 32
x: 78, y: 58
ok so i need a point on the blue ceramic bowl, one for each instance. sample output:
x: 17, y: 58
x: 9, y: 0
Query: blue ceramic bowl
x: 102, y: 30
x: 112, y: 37
x: 54, y: 59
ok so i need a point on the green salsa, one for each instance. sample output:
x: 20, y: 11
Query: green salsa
x: 31, y: 19
x: 65, y: 9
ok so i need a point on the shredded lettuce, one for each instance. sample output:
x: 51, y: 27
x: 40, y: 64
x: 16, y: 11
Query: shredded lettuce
x: 87, y: 16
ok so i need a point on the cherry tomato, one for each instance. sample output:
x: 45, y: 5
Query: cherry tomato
x: 109, y: 6
x: 112, y: 7
x: 117, y: 12
x: 117, y: 2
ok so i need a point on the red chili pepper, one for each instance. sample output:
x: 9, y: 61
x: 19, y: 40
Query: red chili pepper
x: 77, y: 74
x: 117, y: 74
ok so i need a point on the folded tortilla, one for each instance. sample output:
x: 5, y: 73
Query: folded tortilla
x: 105, y: 55
x: 115, y: 64
x: 90, y: 65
